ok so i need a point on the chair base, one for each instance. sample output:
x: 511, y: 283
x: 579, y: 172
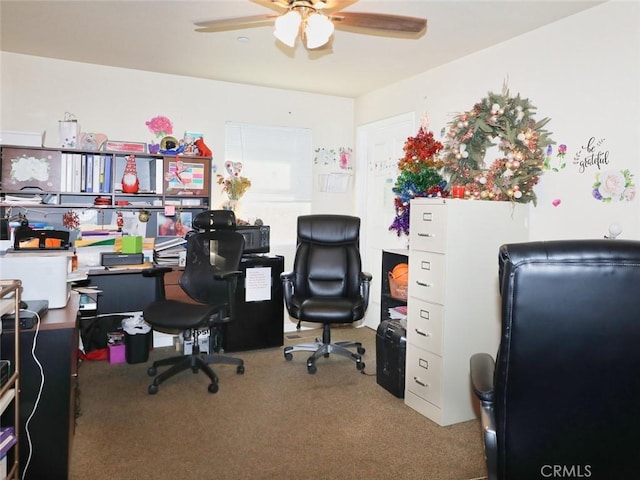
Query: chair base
x: 196, y: 362
x: 324, y: 348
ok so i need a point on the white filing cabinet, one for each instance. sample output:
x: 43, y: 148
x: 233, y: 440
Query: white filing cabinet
x: 454, y: 302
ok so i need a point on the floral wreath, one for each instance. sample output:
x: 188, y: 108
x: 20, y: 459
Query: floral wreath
x: 521, y: 140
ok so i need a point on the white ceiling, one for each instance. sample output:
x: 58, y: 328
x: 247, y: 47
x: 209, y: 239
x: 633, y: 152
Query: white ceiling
x: 159, y: 36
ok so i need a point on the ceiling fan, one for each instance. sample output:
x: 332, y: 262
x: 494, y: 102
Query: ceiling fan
x: 315, y: 20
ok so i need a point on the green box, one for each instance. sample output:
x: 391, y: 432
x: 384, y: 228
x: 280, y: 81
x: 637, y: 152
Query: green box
x: 131, y: 244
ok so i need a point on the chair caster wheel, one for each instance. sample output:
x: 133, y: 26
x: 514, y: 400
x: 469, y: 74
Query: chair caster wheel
x: 151, y: 371
x: 213, y: 387
x: 153, y: 389
x: 240, y: 370
x: 311, y: 368
x: 361, y: 350
x: 288, y: 357
x: 360, y: 365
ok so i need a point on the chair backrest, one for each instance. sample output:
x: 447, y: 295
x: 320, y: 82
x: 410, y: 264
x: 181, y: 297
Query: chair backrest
x: 213, y: 248
x: 567, y: 379
x: 327, y: 261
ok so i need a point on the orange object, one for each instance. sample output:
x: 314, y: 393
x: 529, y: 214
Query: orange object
x: 400, y: 274
x: 35, y: 242
x: 457, y: 191
x: 399, y: 281
x: 203, y: 150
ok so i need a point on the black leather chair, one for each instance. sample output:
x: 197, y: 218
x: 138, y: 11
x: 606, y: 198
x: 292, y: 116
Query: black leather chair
x: 214, y: 250
x: 562, y: 399
x: 327, y: 284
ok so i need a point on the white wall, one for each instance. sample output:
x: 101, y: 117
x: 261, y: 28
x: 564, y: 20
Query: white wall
x: 583, y: 73
x: 36, y: 92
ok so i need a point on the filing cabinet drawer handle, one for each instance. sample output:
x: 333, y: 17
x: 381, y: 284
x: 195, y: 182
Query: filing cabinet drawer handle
x: 427, y: 216
x: 422, y: 384
x: 431, y: 235
x: 422, y: 284
x: 424, y: 334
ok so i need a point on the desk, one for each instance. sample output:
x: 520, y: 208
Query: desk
x: 123, y: 290
x: 53, y: 424
x: 259, y: 324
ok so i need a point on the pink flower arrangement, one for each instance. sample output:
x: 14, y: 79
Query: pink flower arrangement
x: 160, y: 126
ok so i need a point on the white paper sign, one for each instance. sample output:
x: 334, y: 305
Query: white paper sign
x: 258, y: 284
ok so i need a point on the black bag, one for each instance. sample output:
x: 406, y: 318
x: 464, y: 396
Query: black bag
x: 94, y: 330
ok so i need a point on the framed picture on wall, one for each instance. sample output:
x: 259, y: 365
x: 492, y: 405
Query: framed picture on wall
x: 177, y: 225
x: 186, y: 176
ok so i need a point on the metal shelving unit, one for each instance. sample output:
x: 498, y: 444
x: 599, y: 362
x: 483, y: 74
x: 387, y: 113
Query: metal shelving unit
x: 10, y: 390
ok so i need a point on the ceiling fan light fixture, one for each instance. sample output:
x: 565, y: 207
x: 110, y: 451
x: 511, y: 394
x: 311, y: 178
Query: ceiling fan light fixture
x: 287, y: 27
x: 318, y: 30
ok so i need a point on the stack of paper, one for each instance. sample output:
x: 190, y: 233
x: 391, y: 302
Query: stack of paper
x: 398, y: 313
x: 168, y: 252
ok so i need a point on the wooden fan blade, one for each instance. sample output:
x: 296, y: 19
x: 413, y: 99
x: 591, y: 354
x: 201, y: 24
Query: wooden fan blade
x: 335, y: 5
x: 326, y: 6
x: 278, y: 5
x: 224, y: 24
x: 379, y: 21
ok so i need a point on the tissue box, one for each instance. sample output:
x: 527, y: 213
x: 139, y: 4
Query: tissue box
x: 117, y: 353
x: 132, y: 244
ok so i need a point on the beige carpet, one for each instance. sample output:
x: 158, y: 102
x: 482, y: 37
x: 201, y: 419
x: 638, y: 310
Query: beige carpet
x: 275, y: 421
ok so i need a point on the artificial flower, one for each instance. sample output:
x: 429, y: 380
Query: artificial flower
x: 160, y: 126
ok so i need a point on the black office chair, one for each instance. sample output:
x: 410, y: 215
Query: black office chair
x: 561, y: 400
x: 327, y: 284
x: 210, y: 277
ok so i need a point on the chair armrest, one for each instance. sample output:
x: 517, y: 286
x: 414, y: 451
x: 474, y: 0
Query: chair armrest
x: 231, y: 278
x: 287, y: 286
x: 286, y: 276
x: 482, y: 367
x: 365, y: 283
x: 155, y: 271
x: 226, y: 275
x: 158, y: 273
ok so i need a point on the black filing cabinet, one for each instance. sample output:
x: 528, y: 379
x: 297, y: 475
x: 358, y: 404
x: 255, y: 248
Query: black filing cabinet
x: 259, y: 321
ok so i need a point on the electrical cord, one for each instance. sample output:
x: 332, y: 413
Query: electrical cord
x: 38, y: 396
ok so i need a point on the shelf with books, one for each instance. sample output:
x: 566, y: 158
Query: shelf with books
x: 71, y: 178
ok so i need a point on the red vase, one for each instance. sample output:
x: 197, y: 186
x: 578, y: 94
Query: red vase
x: 130, y: 183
